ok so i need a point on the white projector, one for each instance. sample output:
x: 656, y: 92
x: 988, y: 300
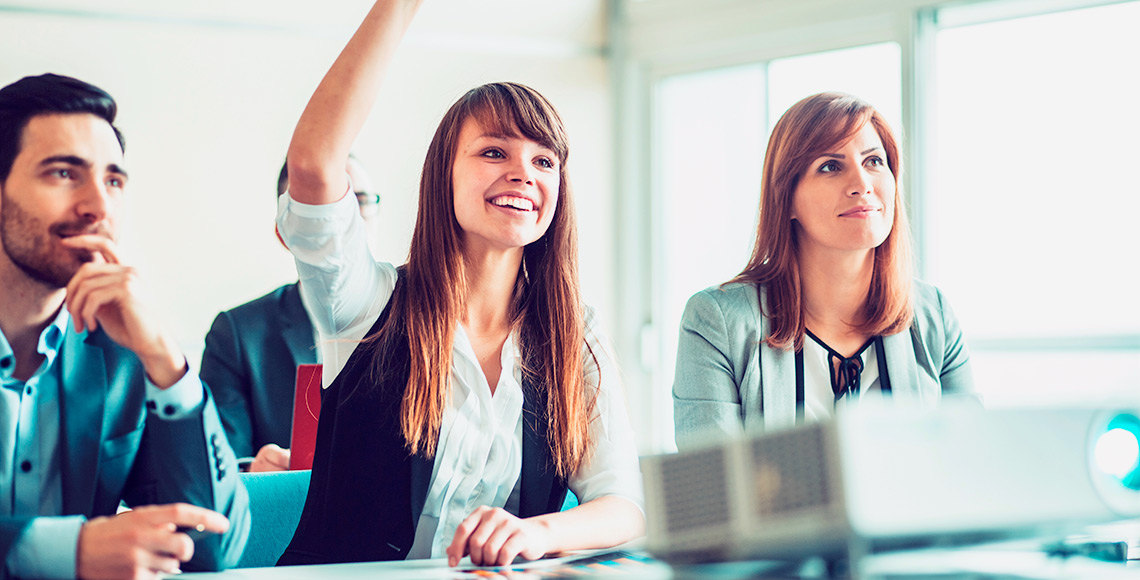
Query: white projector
x: 886, y: 477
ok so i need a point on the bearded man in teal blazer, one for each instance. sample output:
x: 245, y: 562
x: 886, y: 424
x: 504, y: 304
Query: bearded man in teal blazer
x: 97, y: 406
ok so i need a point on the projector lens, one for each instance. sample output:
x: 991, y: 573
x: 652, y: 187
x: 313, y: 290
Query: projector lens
x: 1117, y: 450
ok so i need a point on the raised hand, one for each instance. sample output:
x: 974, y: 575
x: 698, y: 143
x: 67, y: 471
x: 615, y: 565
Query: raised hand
x: 338, y: 108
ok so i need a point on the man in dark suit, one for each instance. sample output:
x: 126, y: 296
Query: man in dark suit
x: 252, y: 352
x: 97, y: 405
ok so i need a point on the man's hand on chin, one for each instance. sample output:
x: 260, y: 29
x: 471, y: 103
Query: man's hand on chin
x: 105, y: 293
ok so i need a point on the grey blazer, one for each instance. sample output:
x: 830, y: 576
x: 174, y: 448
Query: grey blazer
x: 727, y: 380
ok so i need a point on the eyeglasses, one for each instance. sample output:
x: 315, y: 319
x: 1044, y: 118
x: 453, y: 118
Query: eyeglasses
x: 366, y: 199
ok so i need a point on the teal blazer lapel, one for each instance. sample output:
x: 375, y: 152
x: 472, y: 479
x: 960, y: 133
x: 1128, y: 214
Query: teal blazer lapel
x: 777, y: 379
x: 83, y: 395
x: 899, y: 352
x: 778, y: 383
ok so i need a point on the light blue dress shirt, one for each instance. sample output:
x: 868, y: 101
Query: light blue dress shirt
x: 30, y: 481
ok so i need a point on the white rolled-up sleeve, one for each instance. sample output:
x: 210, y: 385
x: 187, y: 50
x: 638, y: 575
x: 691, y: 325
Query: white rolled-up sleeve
x: 342, y: 287
x: 611, y: 468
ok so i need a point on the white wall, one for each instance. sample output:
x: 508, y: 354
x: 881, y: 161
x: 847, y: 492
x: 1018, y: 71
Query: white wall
x: 209, y: 94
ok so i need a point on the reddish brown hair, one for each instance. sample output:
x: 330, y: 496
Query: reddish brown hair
x: 810, y: 128
x: 546, y: 307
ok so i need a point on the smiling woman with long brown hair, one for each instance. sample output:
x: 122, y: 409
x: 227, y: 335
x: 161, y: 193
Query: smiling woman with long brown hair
x: 471, y: 388
x: 825, y: 313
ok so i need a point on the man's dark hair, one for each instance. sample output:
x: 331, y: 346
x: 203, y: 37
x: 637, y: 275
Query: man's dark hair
x: 45, y: 95
x: 283, y: 179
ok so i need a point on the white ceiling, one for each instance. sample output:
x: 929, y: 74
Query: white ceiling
x: 570, y: 24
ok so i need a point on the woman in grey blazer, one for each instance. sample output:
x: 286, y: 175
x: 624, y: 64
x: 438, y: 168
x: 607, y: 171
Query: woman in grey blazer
x: 826, y: 311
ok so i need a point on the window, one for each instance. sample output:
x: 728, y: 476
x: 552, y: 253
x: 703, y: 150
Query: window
x: 1031, y: 211
x: 1020, y: 120
x: 870, y: 72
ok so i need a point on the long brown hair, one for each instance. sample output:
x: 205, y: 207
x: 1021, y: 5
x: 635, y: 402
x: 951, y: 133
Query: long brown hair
x: 808, y: 129
x: 546, y: 306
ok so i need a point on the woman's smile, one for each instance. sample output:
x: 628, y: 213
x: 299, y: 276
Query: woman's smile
x: 514, y: 201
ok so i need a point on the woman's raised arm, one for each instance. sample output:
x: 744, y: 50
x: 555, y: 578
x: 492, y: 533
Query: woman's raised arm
x: 338, y: 108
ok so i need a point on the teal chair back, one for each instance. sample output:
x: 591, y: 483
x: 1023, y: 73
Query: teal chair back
x: 275, y: 502
x: 571, y: 501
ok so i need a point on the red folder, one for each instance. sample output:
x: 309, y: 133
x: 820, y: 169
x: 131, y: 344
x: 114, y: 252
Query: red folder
x: 306, y: 410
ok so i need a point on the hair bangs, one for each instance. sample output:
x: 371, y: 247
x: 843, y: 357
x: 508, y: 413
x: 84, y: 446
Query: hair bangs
x: 824, y: 125
x: 514, y: 110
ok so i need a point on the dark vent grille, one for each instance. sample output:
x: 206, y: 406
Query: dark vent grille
x: 789, y: 472
x: 695, y: 490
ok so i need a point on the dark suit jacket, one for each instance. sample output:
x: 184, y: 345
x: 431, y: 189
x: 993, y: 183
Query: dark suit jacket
x: 250, y: 364
x: 366, y: 492
x: 110, y: 450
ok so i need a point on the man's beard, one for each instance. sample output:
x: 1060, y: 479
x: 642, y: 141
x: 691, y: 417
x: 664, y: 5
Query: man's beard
x: 28, y: 244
